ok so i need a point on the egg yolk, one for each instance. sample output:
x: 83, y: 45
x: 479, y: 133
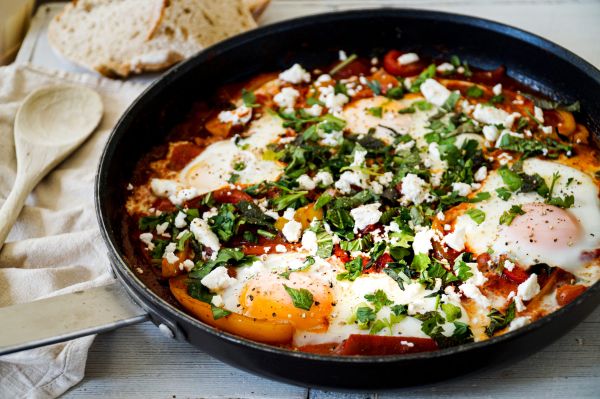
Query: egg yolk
x: 543, y: 226
x: 265, y: 297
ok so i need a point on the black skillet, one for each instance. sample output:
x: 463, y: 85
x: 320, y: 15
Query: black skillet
x: 314, y: 41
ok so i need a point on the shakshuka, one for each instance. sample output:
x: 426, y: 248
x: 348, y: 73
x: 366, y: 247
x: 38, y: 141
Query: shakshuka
x: 376, y: 206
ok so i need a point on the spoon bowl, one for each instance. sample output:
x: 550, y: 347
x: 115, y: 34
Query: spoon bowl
x: 50, y: 124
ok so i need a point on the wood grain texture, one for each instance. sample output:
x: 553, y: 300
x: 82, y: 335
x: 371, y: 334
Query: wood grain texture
x: 139, y: 362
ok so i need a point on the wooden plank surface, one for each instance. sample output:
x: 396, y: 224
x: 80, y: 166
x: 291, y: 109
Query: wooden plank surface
x: 139, y: 362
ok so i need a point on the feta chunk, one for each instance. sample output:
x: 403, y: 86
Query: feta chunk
x: 529, y: 288
x: 315, y: 110
x: 422, y: 241
x: 280, y: 248
x: 218, y: 279
x: 472, y: 292
x: 286, y: 98
x: 146, y: 238
x: 435, y: 92
x: 180, y: 221
x: 497, y: 89
x: 490, y: 132
x: 539, y: 114
x: 239, y: 116
x: 445, y: 67
x: 296, y: 74
x: 351, y: 178
x: 490, y: 115
x: 309, y: 242
x: 204, y: 235
x: 162, y: 228
x: 292, y: 231
x: 408, y: 58
x: 333, y: 101
x: 169, y: 253
x: 456, y: 239
x: 365, y: 215
x: 305, y: 182
x: 480, y: 174
x: 462, y: 189
x: 323, y: 178
x: 414, y: 189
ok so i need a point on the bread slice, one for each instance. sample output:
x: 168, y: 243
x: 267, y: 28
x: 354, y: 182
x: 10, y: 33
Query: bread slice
x: 257, y: 7
x: 120, y: 37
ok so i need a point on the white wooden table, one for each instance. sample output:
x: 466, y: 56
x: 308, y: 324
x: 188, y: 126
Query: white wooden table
x: 139, y: 362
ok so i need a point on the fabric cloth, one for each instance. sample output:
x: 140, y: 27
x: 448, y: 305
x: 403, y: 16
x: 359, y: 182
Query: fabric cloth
x: 55, y: 246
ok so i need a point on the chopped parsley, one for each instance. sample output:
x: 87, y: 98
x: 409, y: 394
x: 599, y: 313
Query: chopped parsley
x: 301, y: 298
x: 508, y: 216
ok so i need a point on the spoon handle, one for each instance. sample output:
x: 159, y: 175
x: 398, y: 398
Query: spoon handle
x: 13, y: 205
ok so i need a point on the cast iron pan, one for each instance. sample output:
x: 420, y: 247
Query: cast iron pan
x: 314, y: 41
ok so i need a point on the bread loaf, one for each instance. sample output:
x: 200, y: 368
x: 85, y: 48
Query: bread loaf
x: 121, y: 37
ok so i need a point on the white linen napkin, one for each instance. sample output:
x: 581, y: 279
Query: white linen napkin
x: 55, y: 246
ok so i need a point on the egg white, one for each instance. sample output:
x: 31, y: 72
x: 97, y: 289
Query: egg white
x: 491, y: 235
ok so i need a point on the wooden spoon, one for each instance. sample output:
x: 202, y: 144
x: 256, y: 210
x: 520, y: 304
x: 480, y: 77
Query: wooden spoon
x: 50, y: 124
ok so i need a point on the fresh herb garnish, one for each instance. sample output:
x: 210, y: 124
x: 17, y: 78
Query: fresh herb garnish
x: 508, y: 216
x: 301, y: 298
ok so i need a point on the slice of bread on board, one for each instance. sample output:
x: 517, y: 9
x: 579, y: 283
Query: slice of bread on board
x: 121, y: 37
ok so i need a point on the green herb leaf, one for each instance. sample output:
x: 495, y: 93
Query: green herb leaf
x: 512, y: 179
x: 477, y: 215
x: 376, y: 111
x: 249, y: 99
x: 354, y: 270
x: 452, y: 312
x: 301, y: 298
x: 508, y: 216
x: 379, y: 299
x: 474, y: 91
x: 481, y: 196
x: 219, y: 312
x: 498, y: 321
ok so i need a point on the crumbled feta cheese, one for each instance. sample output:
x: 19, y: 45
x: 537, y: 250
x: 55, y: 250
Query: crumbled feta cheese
x: 289, y: 214
x: 408, y: 58
x: 187, y: 265
x: 456, y: 239
x: 480, y: 174
x: 146, y: 238
x: 332, y: 139
x: 323, y: 78
x: 365, y: 215
x: 510, y: 120
x: 359, y: 157
x: 163, y: 187
x: 333, y: 101
x: 305, y: 182
x: 529, y: 288
x: 440, y: 216
x: 478, y: 279
x: 217, y: 300
x: 405, y: 146
x: 239, y: 116
x: 161, y: 228
x: 445, y: 67
x: 422, y: 241
x: 296, y: 74
x: 210, y: 213
x: 180, y: 221
x: 204, y: 235
x: 472, y: 292
x: 386, y: 178
x: 462, y: 189
x: 490, y: 132
x: 292, y: 231
x: 539, y: 114
x: 351, y: 178
x: 497, y: 89
x: 435, y: 92
x: 508, y: 265
x: 286, y: 98
x: 377, y: 188
x: 323, y: 178
x: 518, y: 323
x: 342, y: 55
x: 414, y: 189
x: 218, y: 279
x: 280, y: 248
x: 546, y: 129
x: 490, y: 115
x: 309, y: 242
x: 169, y: 253
x: 315, y: 110
x: 129, y: 187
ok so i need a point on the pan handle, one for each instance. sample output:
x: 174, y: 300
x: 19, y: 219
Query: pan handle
x: 64, y: 317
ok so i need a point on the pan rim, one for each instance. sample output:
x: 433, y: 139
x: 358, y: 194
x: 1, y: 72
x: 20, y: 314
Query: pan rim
x: 128, y: 277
